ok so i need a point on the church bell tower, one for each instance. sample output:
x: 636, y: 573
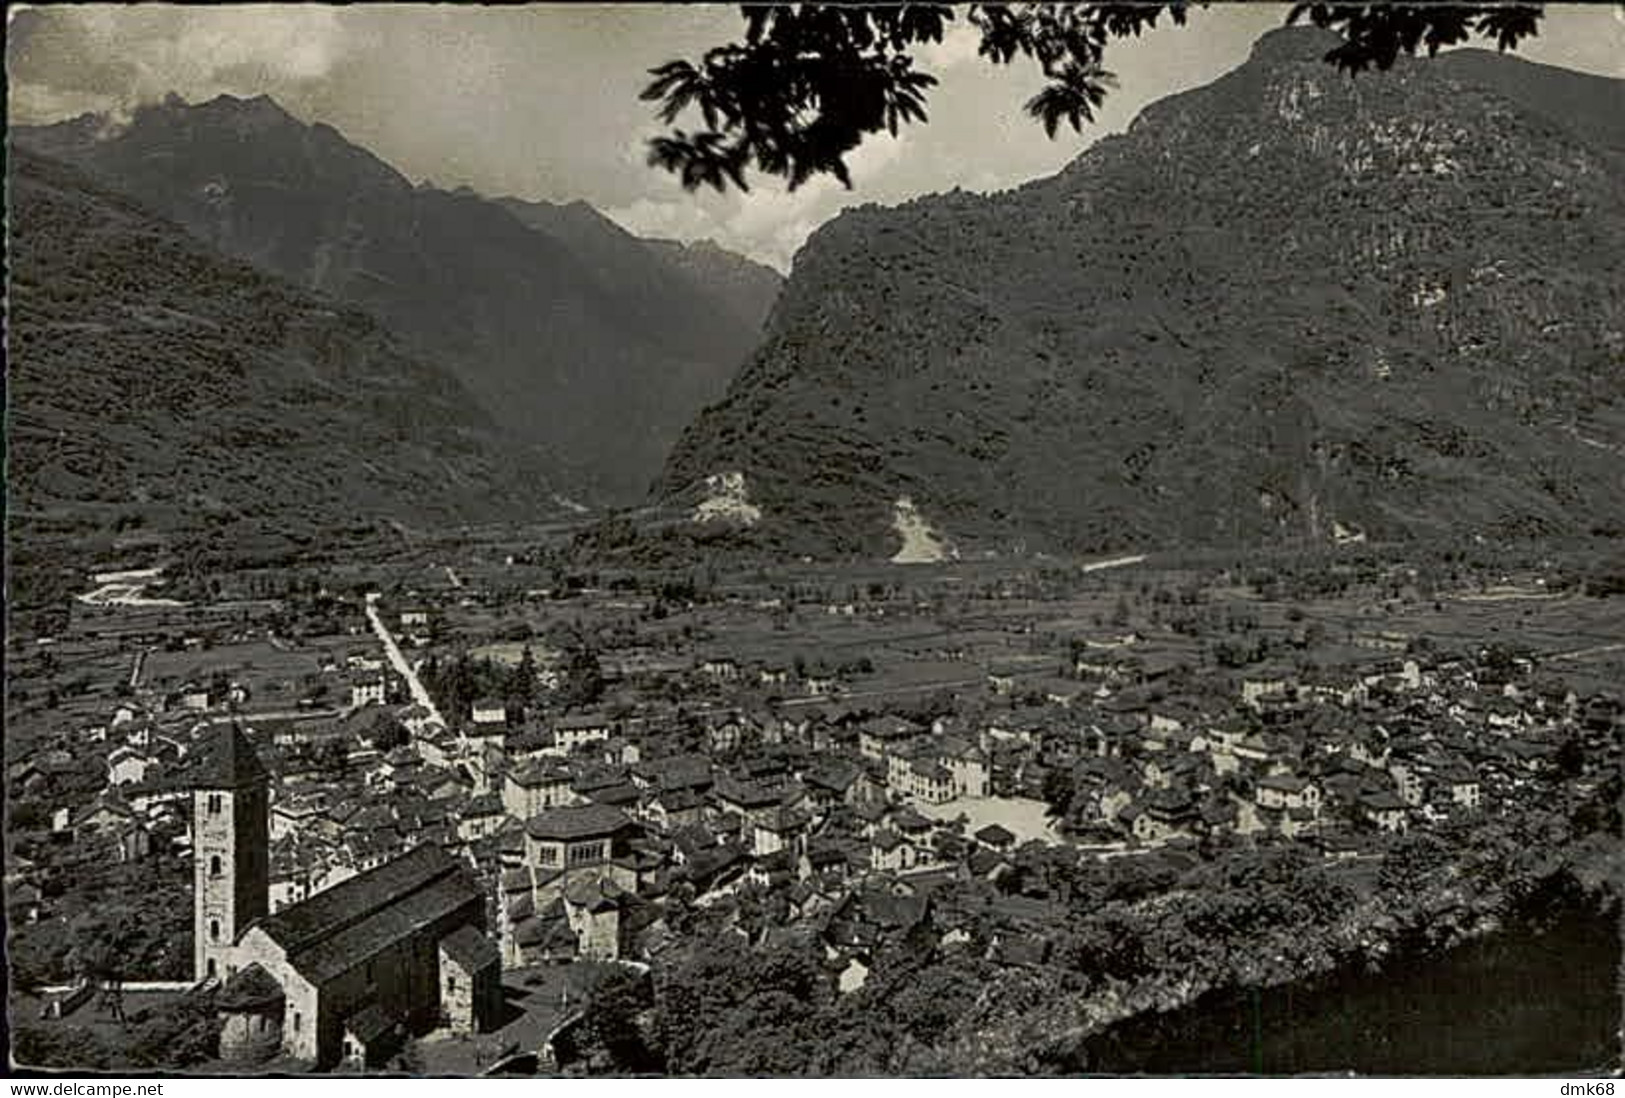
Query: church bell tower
x: 231, y: 850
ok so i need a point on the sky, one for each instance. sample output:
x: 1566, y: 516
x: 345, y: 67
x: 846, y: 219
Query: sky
x: 541, y: 101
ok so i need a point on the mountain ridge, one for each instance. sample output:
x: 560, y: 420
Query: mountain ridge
x: 1286, y: 306
x: 589, y: 352
x: 155, y: 385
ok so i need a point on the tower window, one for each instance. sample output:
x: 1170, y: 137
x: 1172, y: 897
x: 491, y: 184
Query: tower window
x: 214, y: 804
x: 296, y: 1020
x: 210, y: 970
x: 214, y: 865
x: 214, y: 930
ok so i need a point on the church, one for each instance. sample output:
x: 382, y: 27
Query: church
x: 343, y: 976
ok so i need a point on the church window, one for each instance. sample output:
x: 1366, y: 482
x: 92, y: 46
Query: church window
x: 214, y: 865
x: 297, y: 1018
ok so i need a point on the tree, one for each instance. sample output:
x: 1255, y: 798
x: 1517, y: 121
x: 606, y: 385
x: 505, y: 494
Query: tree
x: 520, y: 689
x: 333, y: 757
x: 583, y: 677
x: 386, y: 733
x: 810, y: 82
x: 1058, y: 791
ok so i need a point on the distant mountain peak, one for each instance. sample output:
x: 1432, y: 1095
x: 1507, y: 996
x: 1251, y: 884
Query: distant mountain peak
x: 578, y: 339
x: 1298, y: 43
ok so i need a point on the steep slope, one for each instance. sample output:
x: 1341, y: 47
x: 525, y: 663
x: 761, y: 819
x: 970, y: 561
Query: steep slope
x: 745, y: 286
x: 155, y: 384
x: 580, y: 345
x: 1287, y: 306
x: 660, y: 280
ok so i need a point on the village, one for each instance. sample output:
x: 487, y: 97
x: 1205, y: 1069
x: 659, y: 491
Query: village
x: 592, y: 774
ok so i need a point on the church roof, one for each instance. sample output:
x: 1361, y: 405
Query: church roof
x: 370, y: 1023
x: 229, y: 762
x: 471, y: 949
x: 342, y: 927
x: 252, y: 988
x: 577, y: 822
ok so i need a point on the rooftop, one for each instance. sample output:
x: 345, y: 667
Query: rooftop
x: 228, y: 762
x: 577, y: 822
x: 342, y: 926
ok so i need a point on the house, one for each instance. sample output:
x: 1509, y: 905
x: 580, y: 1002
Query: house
x: 489, y: 711
x: 720, y: 669
x: 673, y: 809
x: 537, y: 786
x: 127, y: 766
x: 482, y: 815
x: 296, y: 815
x: 1254, y: 689
x: 1462, y: 786
x: 193, y: 696
x: 821, y: 686
x: 570, y: 733
x: 887, y: 735
x: 593, y: 908
x: 889, y: 852
x: 470, y: 980
x: 691, y: 771
x: 1287, y: 792
x: 833, y: 781
x: 781, y: 830
x: 1386, y: 811
x: 751, y: 800
x: 23, y: 903
x: 575, y: 837
x: 996, y: 837
x: 1002, y: 681
x: 414, y: 618
x: 368, y: 689
x: 966, y: 764
x: 929, y: 781
x: 1408, y: 783
x: 1163, y: 815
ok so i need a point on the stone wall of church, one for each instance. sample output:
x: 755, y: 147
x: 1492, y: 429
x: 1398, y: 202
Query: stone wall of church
x: 250, y: 1037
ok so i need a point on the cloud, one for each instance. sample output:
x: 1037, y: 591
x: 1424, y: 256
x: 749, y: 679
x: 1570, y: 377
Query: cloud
x: 541, y: 101
x: 770, y: 223
x: 958, y: 47
x: 124, y: 56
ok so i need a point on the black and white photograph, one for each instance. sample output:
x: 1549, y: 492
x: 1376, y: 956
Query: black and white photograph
x: 666, y: 541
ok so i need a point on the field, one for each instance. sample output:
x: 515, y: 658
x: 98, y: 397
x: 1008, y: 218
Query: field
x: 267, y: 670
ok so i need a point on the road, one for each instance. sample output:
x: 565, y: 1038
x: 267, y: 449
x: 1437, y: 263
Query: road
x: 1586, y: 653
x: 123, y: 594
x: 1115, y: 562
x: 398, y: 661
x: 282, y: 715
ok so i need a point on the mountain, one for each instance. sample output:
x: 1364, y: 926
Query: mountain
x: 582, y: 344
x: 157, y: 386
x: 745, y: 286
x: 663, y: 275
x: 1287, y: 307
